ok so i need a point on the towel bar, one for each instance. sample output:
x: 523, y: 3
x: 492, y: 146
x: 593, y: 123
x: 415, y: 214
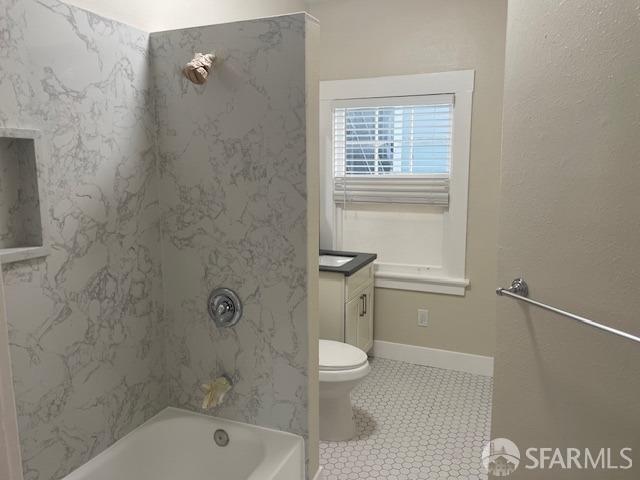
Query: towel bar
x: 520, y: 291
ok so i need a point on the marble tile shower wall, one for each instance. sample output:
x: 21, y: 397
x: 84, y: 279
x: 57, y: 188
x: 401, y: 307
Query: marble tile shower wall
x: 233, y: 192
x: 85, y: 323
x: 99, y: 342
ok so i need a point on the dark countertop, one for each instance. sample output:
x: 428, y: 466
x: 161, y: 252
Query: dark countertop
x: 359, y: 261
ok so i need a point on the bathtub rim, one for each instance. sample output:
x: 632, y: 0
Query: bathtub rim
x: 295, y: 443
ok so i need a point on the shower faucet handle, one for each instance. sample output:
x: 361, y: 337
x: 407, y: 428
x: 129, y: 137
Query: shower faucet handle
x: 224, y: 306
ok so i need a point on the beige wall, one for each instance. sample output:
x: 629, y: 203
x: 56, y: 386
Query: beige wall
x: 155, y: 16
x: 366, y: 38
x: 569, y: 223
x: 10, y: 465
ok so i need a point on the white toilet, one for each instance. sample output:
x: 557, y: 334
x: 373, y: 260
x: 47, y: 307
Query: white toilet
x: 342, y: 367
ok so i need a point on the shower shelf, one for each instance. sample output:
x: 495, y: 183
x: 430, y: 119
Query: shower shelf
x: 18, y: 254
x: 22, y: 205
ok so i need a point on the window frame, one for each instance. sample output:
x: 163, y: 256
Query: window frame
x: 450, y: 277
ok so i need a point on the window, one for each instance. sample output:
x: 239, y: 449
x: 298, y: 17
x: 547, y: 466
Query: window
x: 394, y: 180
x: 396, y: 150
x: 393, y: 139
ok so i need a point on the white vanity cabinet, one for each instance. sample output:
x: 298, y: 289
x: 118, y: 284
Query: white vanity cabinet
x: 346, y: 307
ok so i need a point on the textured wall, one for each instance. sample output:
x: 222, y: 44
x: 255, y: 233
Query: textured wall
x: 233, y: 191
x: 424, y: 36
x: 569, y: 224
x: 84, y: 323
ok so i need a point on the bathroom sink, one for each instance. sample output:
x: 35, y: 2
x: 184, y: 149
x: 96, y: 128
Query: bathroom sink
x: 345, y: 263
x: 334, y: 260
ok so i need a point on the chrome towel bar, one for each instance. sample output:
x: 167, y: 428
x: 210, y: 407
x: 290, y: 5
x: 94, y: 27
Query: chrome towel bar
x: 520, y: 291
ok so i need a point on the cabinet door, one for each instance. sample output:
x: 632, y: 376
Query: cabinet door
x: 331, y: 300
x: 353, y: 310
x: 365, y: 320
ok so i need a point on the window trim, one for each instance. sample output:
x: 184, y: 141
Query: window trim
x: 450, y: 278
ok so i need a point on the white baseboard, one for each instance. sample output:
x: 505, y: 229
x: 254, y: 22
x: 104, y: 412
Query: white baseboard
x: 319, y: 475
x: 433, y: 357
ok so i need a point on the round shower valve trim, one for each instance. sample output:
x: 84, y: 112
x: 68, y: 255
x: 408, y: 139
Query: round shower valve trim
x: 224, y: 306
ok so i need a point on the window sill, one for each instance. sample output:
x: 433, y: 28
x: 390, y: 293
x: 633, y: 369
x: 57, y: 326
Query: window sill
x: 418, y: 279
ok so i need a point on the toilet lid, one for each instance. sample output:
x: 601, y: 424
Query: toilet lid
x: 340, y: 356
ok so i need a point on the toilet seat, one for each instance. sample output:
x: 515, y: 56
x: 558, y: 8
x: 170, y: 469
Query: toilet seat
x: 338, y: 356
x: 330, y: 376
x: 341, y: 362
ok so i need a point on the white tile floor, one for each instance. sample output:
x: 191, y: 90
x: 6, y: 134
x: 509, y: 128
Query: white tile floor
x: 414, y: 422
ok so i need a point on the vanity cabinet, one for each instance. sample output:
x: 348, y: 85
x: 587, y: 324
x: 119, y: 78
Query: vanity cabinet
x: 346, y: 307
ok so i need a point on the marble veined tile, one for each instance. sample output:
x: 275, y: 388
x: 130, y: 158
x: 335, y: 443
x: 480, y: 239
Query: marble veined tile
x: 148, y: 177
x: 233, y: 181
x: 85, y: 323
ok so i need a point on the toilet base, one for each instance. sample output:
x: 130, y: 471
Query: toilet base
x: 336, y: 419
x: 336, y: 413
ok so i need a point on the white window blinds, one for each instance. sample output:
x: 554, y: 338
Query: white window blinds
x: 393, y: 149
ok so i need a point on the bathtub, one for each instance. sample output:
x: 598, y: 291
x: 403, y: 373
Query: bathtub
x: 179, y: 445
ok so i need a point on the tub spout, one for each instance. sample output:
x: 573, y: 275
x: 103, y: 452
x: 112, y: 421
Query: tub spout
x: 215, y: 391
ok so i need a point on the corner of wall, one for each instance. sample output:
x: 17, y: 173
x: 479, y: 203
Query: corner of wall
x: 312, y: 33
x: 10, y: 461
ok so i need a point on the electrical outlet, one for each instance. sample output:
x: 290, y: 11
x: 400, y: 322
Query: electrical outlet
x: 423, y: 318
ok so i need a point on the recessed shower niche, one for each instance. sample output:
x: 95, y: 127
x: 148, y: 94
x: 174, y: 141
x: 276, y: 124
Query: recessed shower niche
x: 21, y: 233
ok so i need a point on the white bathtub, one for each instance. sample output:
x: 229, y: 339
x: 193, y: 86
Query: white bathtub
x: 179, y: 445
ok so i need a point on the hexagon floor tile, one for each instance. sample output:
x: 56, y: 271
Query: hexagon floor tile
x: 414, y: 422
